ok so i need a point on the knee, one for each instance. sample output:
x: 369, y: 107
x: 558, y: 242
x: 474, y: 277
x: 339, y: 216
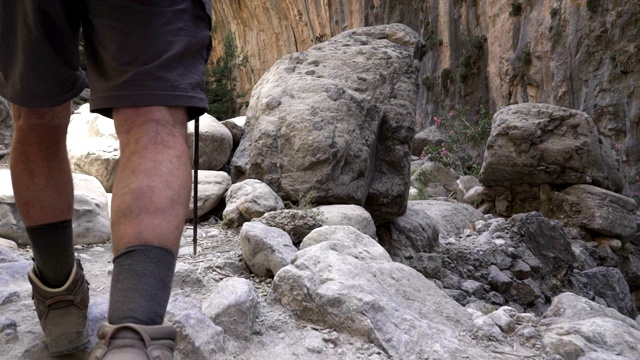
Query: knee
x: 155, y: 122
x: 46, y: 120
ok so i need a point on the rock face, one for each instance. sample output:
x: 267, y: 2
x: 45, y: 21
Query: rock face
x: 344, y: 132
x: 571, y: 53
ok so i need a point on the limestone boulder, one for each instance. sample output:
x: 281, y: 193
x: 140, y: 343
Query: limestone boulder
x: 296, y: 223
x: 351, y: 215
x: 609, y: 284
x: 233, y: 305
x: 436, y: 179
x: 412, y: 233
x: 451, y: 218
x: 535, y: 144
x: 92, y: 146
x: 249, y: 199
x: 593, y: 208
x: 265, y: 249
x: 545, y: 238
x: 574, y: 327
x: 91, y: 224
x: 236, y: 128
x: 427, y: 137
x: 337, y: 119
x: 355, y: 288
x: 216, y: 142
x: 212, y: 187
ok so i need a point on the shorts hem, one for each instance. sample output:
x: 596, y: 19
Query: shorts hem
x: 104, y: 105
x: 38, y: 102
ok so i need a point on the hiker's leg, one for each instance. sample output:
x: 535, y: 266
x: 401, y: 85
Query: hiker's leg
x: 40, y: 170
x: 43, y: 188
x: 149, y: 208
x: 152, y: 186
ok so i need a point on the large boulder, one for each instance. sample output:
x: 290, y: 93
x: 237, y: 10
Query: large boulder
x: 593, y: 208
x: 92, y: 146
x: 91, y: 224
x: 249, y: 199
x: 352, y: 215
x: 355, y: 288
x: 536, y: 144
x: 412, y: 233
x: 338, y: 120
x: 574, y: 327
x: 212, y: 186
x: 216, y: 142
x: 451, y: 218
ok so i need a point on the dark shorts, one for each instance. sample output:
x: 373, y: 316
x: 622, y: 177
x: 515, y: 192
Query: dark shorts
x: 138, y: 52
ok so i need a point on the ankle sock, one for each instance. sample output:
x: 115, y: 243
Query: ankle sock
x: 141, y: 285
x: 52, y: 246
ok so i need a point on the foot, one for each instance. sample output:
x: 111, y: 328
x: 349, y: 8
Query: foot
x: 132, y: 341
x: 63, y: 312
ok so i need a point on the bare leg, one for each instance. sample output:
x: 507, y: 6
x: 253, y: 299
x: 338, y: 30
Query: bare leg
x: 40, y: 170
x: 152, y: 187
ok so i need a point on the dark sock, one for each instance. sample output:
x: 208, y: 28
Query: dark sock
x: 141, y: 285
x: 52, y: 246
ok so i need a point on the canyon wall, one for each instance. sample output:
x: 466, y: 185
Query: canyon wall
x: 578, y: 54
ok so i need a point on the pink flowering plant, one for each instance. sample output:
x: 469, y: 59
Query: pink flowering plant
x: 462, y: 129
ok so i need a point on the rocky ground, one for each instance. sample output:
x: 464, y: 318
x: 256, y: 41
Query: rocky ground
x: 277, y: 335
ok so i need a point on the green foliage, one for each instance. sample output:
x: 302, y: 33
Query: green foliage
x: 428, y: 83
x: 307, y: 200
x: 431, y: 41
x: 440, y: 154
x: 461, y: 128
x: 446, y: 78
x: 516, y: 9
x: 221, y: 81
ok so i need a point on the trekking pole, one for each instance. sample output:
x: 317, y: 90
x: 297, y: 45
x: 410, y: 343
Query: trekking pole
x: 196, y: 163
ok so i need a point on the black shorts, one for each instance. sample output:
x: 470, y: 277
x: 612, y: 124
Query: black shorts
x: 138, y: 52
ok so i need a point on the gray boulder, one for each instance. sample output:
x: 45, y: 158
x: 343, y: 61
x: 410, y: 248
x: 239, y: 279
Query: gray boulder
x: 536, y: 144
x: 91, y: 224
x: 296, y: 223
x: 351, y: 215
x: 609, y: 284
x: 593, y: 208
x: 233, y: 306
x: 412, y: 233
x: 545, y: 238
x: 249, y: 199
x: 346, y: 286
x: 216, y: 142
x: 574, y: 327
x: 212, y: 187
x: 451, y: 218
x: 314, y: 124
x: 265, y: 249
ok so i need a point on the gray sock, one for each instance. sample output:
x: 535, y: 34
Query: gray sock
x: 52, y: 246
x: 141, y: 285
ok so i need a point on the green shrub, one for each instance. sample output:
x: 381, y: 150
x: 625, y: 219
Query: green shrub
x: 461, y: 128
x: 221, y: 81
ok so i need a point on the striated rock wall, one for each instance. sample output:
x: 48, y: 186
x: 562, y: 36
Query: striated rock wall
x: 576, y: 54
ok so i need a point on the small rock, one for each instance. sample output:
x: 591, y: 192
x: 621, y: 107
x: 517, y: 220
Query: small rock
x: 520, y: 270
x: 498, y: 280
